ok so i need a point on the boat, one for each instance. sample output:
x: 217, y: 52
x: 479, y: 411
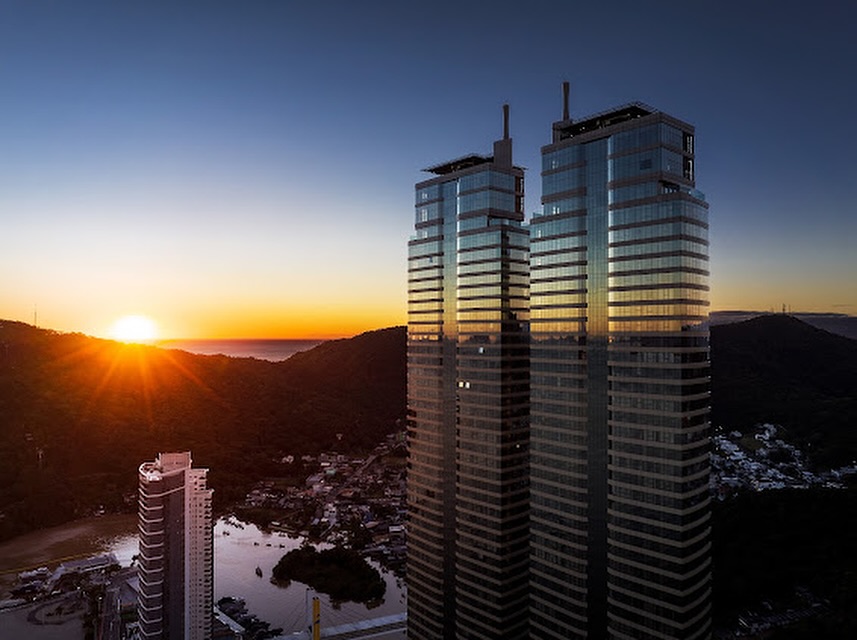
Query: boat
x: 259, y: 571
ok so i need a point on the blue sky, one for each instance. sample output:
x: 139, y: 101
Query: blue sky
x: 246, y: 169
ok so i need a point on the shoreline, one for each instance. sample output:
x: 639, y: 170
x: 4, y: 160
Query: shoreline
x: 50, y: 547
x: 239, y: 548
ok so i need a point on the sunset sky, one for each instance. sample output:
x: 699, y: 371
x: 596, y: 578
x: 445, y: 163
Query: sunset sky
x: 246, y: 169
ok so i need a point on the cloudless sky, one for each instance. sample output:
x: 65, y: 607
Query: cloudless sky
x: 246, y: 169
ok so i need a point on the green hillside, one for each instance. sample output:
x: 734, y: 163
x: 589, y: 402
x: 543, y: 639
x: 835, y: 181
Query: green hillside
x: 79, y: 414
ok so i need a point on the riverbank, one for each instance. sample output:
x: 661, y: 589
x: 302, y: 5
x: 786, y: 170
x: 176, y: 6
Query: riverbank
x: 77, y: 539
x: 239, y: 549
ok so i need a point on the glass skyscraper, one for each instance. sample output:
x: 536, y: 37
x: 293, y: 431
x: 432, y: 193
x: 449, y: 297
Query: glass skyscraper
x: 468, y: 393
x: 558, y: 390
x: 620, y: 514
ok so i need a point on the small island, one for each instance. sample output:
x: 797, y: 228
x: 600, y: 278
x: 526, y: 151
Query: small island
x: 339, y: 572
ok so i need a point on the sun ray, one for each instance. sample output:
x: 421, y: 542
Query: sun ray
x: 125, y: 368
x: 190, y: 375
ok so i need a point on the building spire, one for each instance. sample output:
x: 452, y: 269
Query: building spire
x: 503, y: 147
x: 565, y: 100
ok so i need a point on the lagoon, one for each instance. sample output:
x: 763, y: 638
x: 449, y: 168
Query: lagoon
x: 238, y: 549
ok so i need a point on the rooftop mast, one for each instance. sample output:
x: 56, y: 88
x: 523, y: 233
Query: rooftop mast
x: 565, y: 88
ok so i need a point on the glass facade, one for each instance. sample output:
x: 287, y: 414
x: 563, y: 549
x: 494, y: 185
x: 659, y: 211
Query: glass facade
x: 468, y: 394
x: 620, y: 514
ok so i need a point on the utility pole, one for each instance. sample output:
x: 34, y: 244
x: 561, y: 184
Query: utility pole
x: 316, y: 618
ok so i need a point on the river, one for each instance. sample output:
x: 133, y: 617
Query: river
x: 238, y: 549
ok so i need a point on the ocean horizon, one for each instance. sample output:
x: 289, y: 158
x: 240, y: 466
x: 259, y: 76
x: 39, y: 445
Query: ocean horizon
x: 271, y: 350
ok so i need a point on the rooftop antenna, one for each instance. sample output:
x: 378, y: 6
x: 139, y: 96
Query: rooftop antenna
x: 565, y: 87
x: 506, y: 121
x: 36, y: 316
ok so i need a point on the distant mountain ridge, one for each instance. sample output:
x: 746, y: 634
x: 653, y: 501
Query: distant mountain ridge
x: 839, y: 323
x: 79, y: 414
x: 777, y: 368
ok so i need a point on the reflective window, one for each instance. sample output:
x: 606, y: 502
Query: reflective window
x: 563, y: 181
x: 633, y: 192
x: 554, y: 258
x: 634, y: 164
x: 635, y: 138
x: 672, y: 162
x: 644, y: 248
x: 564, y: 205
x: 623, y: 266
x: 487, y: 199
x: 656, y: 230
x: 568, y: 271
x: 484, y: 179
x: 546, y: 228
x: 418, y: 249
x: 561, y: 158
x: 672, y: 137
x: 428, y: 212
x: 427, y: 193
x: 657, y: 211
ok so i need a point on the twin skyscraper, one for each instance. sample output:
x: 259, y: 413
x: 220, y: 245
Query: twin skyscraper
x: 558, y: 390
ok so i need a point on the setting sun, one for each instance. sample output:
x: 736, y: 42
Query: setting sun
x: 134, y: 329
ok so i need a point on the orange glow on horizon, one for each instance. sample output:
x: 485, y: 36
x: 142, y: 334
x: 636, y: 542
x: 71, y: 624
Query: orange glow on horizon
x: 134, y: 329
x: 217, y: 320
x: 222, y: 317
x: 316, y: 322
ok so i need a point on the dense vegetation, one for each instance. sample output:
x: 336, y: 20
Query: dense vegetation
x: 767, y: 544
x: 78, y: 415
x: 778, y: 369
x: 340, y: 573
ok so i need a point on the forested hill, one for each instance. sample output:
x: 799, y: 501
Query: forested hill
x: 768, y: 544
x: 778, y: 369
x: 79, y: 414
x: 372, y: 363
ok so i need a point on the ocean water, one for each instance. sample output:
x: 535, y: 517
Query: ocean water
x: 273, y: 350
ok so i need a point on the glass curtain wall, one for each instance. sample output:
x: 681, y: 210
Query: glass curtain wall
x: 620, y: 535
x: 468, y: 392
